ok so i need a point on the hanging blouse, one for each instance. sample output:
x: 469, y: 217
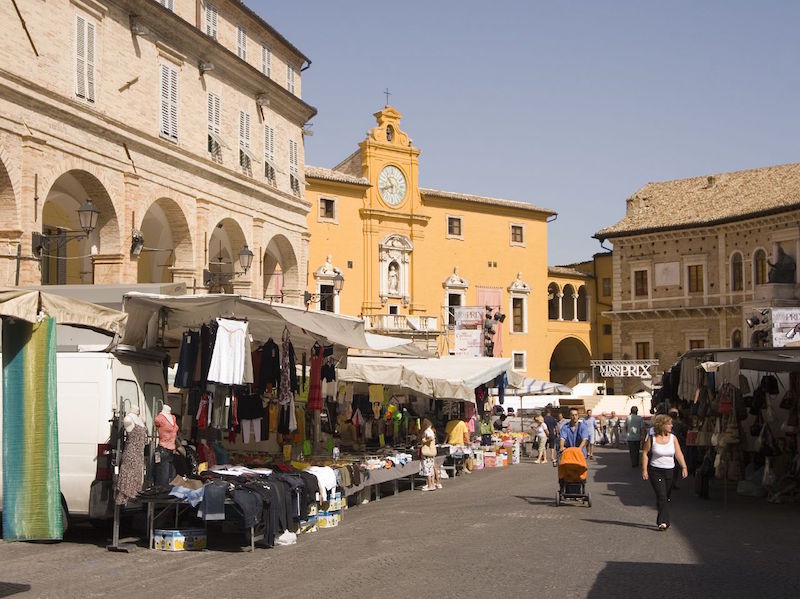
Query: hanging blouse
x: 315, y: 381
x: 288, y: 385
x: 231, y: 359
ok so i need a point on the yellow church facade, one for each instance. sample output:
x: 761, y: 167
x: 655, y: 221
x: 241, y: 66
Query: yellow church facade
x: 407, y: 258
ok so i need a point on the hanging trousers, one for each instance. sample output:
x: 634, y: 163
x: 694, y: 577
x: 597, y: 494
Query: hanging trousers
x: 661, y: 481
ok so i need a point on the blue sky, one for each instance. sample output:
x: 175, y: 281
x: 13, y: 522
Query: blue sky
x: 572, y: 106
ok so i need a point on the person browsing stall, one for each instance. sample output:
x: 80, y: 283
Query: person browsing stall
x: 457, y: 432
x: 573, y: 433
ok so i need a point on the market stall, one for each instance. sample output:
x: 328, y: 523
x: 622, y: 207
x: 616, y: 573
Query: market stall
x: 741, y: 410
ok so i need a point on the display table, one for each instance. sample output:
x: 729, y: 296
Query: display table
x: 375, y: 478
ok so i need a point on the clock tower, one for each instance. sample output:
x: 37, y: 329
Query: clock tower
x: 392, y: 217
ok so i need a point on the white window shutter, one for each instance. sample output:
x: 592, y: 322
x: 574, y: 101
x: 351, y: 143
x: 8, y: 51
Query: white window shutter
x: 211, y: 20
x: 90, y: 62
x: 266, y: 61
x: 164, y: 100
x: 290, y: 78
x: 80, y: 56
x: 241, y: 42
x: 173, y: 108
x: 269, y: 143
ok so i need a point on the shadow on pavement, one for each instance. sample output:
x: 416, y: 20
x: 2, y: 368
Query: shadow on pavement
x: 621, y: 523
x: 622, y: 579
x: 12, y: 588
x: 537, y: 500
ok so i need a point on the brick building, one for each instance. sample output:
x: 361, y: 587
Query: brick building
x: 691, y: 260
x: 181, y: 121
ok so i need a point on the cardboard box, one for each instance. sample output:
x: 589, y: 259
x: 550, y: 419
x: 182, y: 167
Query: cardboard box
x: 328, y: 519
x: 308, y: 526
x: 334, y: 503
x: 186, y: 539
x: 489, y: 459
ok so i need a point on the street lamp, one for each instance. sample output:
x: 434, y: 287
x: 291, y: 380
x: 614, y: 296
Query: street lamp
x: 338, y: 285
x: 88, y: 214
x: 214, y: 279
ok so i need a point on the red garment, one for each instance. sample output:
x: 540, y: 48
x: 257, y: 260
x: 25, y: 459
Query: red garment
x: 207, y: 454
x: 202, y: 413
x: 315, y: 381
x: 167, y: 430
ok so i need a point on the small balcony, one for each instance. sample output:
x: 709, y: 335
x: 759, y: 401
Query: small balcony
x: 401, y: 323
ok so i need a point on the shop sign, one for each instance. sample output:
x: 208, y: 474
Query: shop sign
x: 625, y: 368
x: 785, y: 326
x: 468, y: 342
x: 468, y: 317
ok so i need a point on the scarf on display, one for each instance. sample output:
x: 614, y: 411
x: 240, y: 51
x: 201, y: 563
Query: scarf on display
x: 285, y: 392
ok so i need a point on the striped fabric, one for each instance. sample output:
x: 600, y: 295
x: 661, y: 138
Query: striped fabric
x: 31, y: 488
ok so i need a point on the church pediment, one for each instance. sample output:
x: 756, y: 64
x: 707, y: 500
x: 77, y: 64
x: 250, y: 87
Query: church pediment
x: 519, y: 286
x: 455, y: 281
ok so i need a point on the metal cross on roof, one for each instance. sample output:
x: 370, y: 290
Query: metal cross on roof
x: 387, y: 93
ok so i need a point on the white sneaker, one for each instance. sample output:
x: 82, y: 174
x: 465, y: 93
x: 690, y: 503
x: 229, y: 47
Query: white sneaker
x: 439, y: 486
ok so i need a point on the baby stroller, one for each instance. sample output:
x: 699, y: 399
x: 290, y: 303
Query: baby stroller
x: 572, y: 477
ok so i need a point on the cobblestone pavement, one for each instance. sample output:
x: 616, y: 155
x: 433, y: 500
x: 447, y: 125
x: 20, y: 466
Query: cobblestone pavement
x: 492, y: 533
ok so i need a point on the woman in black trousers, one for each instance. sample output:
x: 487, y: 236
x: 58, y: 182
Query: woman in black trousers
x: 661, y: 452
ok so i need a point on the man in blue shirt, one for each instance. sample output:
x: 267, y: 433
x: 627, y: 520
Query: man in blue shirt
x: 573, y: 433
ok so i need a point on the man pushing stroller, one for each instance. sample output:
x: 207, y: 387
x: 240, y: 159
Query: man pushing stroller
x: 574, y: 433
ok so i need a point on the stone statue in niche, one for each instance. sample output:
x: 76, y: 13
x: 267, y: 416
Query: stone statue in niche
x: 394, y: 276
x: 327, y: 268
x: 783, y: 270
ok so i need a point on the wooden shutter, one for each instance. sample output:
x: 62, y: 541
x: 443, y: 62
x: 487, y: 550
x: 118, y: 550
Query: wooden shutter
x: 241, y: 42
x: 244, y: 129
x: 169, y: 102
x: 211, y: 20
x: 90, y: 61
x: 290, y: 78
x: 80, y: 56
x: 266, y: 61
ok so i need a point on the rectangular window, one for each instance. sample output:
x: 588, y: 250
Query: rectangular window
x: 169, y: 102
x: 290, y: 78
x: 519, y: 360
x: 640, y: 283
x: 326, y: 296
x: 170, y: 4
x: 517, y: 315
x: 454, y: 226
x: 517, y: 234
x: 84, y: 58
x: 696, y: 344
x: 213, y: 126
x: 294, y: 171
x: 244, y: 143
x: 212, y: 16
x: 642, y: 350
x: 327, y: 208
x: 269, y: 154
x: 453, y: 301
x: 241, y: 42
x: 266, y: 61
x: 606, y: 329
x: 392, y: 309
x: 606, y: 286
x: 695, y: 274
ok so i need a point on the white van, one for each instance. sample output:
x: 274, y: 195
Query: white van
x: 94, y: 388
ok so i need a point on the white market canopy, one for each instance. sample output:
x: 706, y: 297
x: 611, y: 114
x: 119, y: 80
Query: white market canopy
x: 530, y: 386
x: 26, y: 304
x: 265, y: 320
x: 451, y: 377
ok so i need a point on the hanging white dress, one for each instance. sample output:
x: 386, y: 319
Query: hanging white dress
x: 231, y: 360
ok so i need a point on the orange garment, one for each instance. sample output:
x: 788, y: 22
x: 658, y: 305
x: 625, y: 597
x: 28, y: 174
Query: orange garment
x: 167, y: 430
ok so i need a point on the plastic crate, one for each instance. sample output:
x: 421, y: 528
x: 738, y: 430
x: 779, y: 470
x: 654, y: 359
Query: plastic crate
x: 171, y: 539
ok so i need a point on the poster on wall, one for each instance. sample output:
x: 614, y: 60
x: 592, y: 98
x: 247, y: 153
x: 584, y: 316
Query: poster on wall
x: 468, y: 342
x: 468, y: 317
x: 785, y: 326
x: 668, y: 274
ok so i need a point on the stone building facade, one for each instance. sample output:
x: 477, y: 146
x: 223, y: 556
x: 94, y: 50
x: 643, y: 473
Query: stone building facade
x: 691, y: 261
x: 181, y: 121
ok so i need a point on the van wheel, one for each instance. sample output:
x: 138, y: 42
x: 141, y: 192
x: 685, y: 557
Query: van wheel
x: 64, y: 517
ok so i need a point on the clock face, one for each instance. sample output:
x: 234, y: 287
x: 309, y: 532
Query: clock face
x: 392, y: 185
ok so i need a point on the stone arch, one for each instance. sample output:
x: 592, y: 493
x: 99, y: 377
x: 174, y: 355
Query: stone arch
x: 71, y: 262
x: 97, y: 184
x: 569, y: 358
x: 9, y: 207
x: 568, y: 302
x: 736, y: 338
x: 280, y: 268
x: 167, y: 242
x: 553, y: 301
x: 583, y: 304
x: 222, y: 254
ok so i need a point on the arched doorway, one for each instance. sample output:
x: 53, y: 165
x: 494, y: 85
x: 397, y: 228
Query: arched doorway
x: 553, y: 301
x: 569, y: 358
x: 9, y: 213
x: 280, y: 268
x: 66, y: 257
x: 568, y: 302
x: 167, y: 242
x: 222, y: 256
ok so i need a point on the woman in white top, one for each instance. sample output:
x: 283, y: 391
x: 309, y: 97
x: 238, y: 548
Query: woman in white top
x: 661, y: 451
x: 540, y: 430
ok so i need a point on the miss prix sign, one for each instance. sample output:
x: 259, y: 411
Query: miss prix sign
x: 625, y: 368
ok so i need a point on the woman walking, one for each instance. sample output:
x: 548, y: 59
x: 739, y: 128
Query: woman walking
x: 540, y: 431
x: 428, y: 442
x: 661, y: 451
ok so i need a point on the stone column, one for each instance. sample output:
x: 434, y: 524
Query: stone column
x: 574, y: 307
x: 560, y: 296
